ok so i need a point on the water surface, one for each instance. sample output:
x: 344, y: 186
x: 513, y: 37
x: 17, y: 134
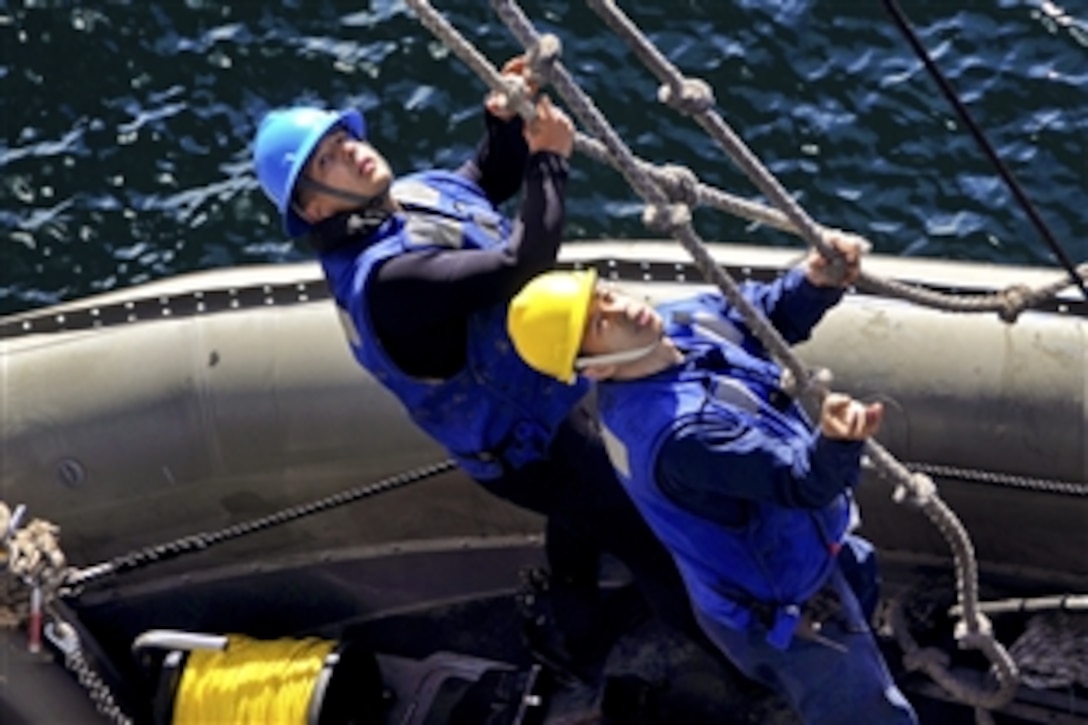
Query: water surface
x: 127, y: 125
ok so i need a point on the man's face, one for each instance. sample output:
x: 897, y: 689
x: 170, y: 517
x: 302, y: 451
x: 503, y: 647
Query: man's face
x: 618, y: 322
x: 348, y: 164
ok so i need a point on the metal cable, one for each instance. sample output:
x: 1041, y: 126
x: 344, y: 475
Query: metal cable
x: 953, y: 98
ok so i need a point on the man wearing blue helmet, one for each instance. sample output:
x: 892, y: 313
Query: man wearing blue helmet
x: 422, y: 269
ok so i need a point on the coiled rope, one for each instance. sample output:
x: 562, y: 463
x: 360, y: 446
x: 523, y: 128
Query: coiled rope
x: 669, y: 210
x: 251, y: 682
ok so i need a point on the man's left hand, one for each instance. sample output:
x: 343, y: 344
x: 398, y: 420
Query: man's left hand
x: 497, y: 103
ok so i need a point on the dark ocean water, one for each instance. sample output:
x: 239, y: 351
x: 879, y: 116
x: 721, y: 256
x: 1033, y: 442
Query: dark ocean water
x: 126, y: 126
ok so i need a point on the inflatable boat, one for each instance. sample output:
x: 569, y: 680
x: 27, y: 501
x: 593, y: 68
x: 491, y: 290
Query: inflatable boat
x: 223, y: 475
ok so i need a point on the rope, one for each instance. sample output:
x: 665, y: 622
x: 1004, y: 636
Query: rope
x: 935, y: 663
x: 61, y: 632
x: 34, y: 555
x: 33, y: 551
x: 77, y: 578
x: 661, y: 213
x: 903, y: 24
x: 973, y: 631
x: 672, y: 214
x: 251, y: 682
x: 36, y: 562
x: 695, y: 98
x: 1064, y: 488
x: 681, y: 184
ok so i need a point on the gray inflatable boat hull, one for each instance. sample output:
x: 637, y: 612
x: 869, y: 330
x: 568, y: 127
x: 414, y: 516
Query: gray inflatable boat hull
x: 134, y: 433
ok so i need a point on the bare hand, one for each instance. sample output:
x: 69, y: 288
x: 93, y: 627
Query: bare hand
x: 497, y: 104
x: 843, y: 418
x: 850, y: 246
x: 551, y: 130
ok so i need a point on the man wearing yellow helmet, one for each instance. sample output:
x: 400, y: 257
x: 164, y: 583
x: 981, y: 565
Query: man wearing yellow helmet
x: 422, y: 269
x: 753, y: 501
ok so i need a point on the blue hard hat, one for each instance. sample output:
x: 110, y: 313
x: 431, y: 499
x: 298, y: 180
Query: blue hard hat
x: 285, y: 140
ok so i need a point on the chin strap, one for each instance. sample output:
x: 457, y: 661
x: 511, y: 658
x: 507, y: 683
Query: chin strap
x: 616, y: 358
x: 363, y: 202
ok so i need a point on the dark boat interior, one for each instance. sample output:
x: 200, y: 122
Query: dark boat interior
x: 451, y: 631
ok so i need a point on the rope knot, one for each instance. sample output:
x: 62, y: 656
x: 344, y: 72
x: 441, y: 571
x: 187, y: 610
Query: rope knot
x: 835, y: 270
x: 973, y: 635
x: 666, y: 218
x: 917, y: 490
x: 34, y: 552
x: 817, y: 383
x: 692, y: 96
x: 1014, y: 300
x: 542, y: 58
x: 681, y: 184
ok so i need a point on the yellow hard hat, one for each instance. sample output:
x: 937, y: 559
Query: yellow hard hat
x: 547, y: 318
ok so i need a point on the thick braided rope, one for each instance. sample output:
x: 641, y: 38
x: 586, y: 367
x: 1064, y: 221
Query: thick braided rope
x: 471, y: 57
x: 918, y: 488
x: 675, y: 218
x: 694, y: 98
x: 935, y: 663
x: 973, y: 630
x: 682, y: 184
x: 666, y: 216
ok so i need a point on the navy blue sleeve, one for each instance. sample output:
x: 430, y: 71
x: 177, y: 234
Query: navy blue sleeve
x: 420, y: 301
x: 713, y: 466
x: 792, y: 304
x: 500, y: 161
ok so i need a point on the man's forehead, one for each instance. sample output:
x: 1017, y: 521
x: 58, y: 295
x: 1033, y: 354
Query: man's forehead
x: 601, y: 289
x: 335, y: 134
x: 332, y: 138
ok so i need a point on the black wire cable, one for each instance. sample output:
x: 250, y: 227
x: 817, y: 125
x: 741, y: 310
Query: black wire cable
x: 904, y: 26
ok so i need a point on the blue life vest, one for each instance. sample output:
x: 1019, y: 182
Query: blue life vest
x: 495, y: 414
x: 766, y: 569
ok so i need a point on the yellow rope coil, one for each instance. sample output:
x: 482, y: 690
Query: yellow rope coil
x: 251, y: 681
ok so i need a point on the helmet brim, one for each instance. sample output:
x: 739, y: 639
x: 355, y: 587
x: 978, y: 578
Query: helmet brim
x: 587, y: 282
x: 293, y: 224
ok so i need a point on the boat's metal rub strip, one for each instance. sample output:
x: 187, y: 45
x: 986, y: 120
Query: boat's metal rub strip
x: 285, y: 294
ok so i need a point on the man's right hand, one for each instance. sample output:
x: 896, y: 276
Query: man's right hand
x: 551, y: 130
x: 850, y: 246
x: 843, y: 418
